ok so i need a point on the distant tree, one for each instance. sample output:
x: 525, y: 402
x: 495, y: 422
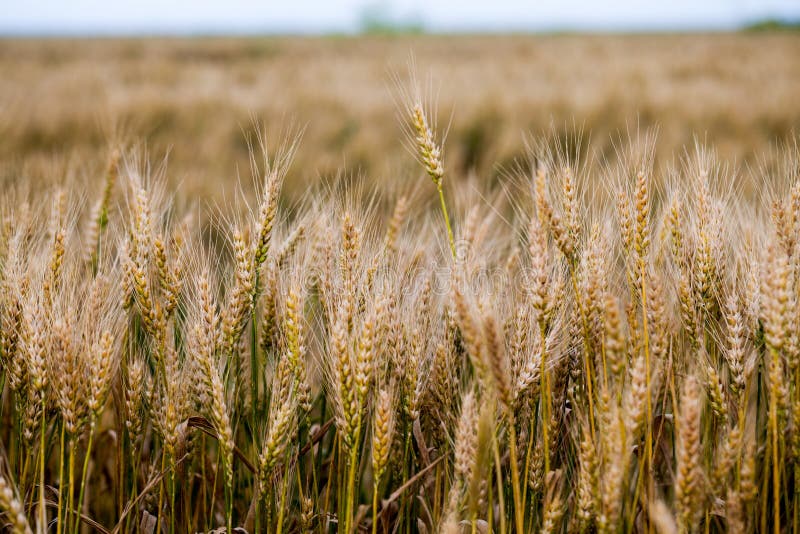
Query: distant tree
x: 770, y: 25
x: 379, y: 18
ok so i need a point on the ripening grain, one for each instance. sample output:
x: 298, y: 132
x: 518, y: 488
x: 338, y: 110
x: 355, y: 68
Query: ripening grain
x: 592, y: 345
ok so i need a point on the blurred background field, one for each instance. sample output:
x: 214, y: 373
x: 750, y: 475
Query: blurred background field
x: 195, y: 304
x: 63, y: 102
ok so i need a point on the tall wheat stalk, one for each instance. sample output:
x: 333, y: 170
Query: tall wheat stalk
x: 431, y: 156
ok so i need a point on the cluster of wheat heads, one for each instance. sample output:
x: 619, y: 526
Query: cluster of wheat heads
x: 616, y: 350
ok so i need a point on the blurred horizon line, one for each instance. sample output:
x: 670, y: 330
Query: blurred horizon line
x: 398, y: 27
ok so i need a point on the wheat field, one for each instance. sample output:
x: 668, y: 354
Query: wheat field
x: 597, y: 330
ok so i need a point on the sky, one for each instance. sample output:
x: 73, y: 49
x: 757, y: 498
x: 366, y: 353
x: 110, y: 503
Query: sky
x: 77, y: 17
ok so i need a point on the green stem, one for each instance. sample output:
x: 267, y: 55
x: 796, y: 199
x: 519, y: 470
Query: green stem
x: 544, y: 408
x: 161, y: 489
x: 254, y: 364
x: 351, y: 481
x: 499, y: 473
x: 648, y: 447
x: 134, y: 468
x: 266, y: 498
x: 490, y: 508
x: 60, y: 479
x: 211, y: 508
x: 16, y: 450
x: 120, y: 494
x: 767, y: 454
x: 375, y: 506
x: 42, y: 510
x: 204, y: 491
x: 338, y: 479
x: 83, y: 475
x: 586, y: 356
x: 528, y: 451
x: 519, y: 512
x: 172, y: 496
x: 629, y: 521
x: 316, y: 460
x: 228, y: 498
x: 405, y: 517
x: 282, y: 508
x: 446, y: 219
x: 71, y: 483
x: 26, y: 461
x: 773, y: 427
